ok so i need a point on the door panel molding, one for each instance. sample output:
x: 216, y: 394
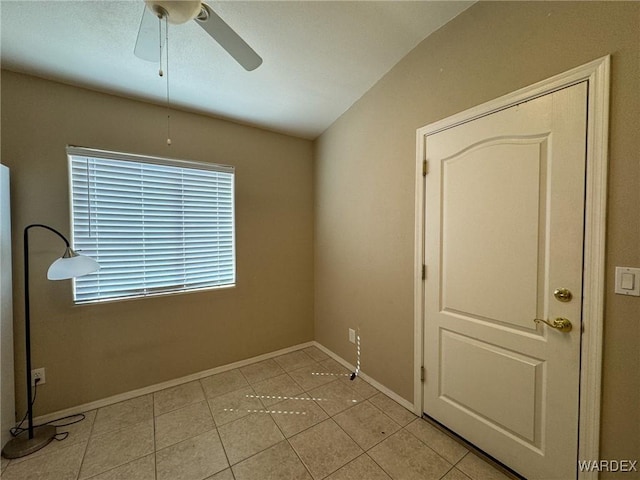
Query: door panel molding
x: 596, y: 73
x: 522, y: 373
x: 521, y: 160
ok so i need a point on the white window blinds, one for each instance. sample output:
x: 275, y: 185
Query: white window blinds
x: 154, y: 225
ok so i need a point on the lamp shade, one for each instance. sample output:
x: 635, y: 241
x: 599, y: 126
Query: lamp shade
x: 72, y: 265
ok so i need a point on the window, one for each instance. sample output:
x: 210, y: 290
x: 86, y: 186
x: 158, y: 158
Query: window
x: 154, y: 225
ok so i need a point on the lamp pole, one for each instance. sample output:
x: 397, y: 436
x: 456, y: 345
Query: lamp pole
x: 27, y: 316
x: 22, y: 445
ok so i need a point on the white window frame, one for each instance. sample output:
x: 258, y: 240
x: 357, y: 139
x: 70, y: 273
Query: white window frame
x: 89, y: 290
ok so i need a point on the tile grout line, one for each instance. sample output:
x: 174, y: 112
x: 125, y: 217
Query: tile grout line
x: 380, y: 466
x: 306, y: 467
x: 276, y: 424
x: 269, y: 413
x: 215, y: 427
x: 364, y: 452
x: 298, y: 455
x: 351, y: 437
x: 453, y: 467
x: 285, y: 439
x: 471, y: 449
x: 153, y: 394
x: 155, y: 449
x: 86, y: 448
x: 118, y: 430
x: 429, y: 447
x: 467, y: 475
x: 242, y: 373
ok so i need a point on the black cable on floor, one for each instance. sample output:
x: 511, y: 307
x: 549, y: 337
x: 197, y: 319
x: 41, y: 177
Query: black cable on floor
x: 17, y: 430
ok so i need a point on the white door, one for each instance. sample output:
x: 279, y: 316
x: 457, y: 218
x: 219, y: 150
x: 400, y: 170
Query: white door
x: 503, y: 230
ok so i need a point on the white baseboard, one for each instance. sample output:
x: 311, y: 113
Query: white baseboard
x: 389, y: 393
x: 161, y: 386
x: 86, y: 407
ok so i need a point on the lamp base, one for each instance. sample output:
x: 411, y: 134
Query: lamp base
x: 22, y: 445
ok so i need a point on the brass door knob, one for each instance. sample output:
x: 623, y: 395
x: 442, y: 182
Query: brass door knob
x: 559, y: 323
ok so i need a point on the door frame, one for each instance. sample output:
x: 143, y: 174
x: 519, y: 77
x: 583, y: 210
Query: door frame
x: 596, y: 73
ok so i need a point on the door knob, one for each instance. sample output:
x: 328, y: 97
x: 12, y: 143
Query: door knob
x: 559, y: 323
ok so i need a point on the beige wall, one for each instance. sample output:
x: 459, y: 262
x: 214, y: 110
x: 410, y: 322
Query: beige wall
x: 92, y: 352
x: 365, y: 169
x: 364, y: 213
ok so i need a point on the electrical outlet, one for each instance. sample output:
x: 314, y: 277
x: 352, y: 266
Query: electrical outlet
x: 37, y: 373
x: 352, y: 335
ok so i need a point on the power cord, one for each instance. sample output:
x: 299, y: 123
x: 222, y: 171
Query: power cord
x: 15, y: 431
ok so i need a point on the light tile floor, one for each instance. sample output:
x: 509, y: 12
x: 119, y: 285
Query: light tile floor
x: 295, y: 417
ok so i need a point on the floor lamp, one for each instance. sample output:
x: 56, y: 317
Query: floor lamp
x: 70, y: 265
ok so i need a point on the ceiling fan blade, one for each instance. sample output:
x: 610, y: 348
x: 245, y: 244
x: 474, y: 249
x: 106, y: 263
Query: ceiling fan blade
x: 148, y: 41
x: 228, y: 39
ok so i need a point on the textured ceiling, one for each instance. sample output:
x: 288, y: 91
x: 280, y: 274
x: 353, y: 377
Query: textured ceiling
x: 319, y: 57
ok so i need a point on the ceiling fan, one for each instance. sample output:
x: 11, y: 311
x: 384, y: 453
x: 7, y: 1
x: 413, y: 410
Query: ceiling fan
x: 181, y: 11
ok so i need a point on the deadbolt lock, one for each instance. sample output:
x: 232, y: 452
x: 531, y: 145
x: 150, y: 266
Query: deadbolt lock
x: 562, y: 294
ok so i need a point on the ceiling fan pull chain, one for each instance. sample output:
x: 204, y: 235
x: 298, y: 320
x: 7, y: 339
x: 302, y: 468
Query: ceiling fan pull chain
x: 160, y: 43
x: 168, y: 104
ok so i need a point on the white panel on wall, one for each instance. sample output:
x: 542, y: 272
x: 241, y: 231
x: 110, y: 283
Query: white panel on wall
x: 7, y: 397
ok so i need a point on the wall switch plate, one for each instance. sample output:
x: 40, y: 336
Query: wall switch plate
x: 628, y: 281
x: 352, y: 335
x: 37, y: 373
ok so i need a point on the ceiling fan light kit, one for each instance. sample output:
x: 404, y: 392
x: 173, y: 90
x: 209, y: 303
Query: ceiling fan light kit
x: 177, y: 12
x: 182, y: 11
